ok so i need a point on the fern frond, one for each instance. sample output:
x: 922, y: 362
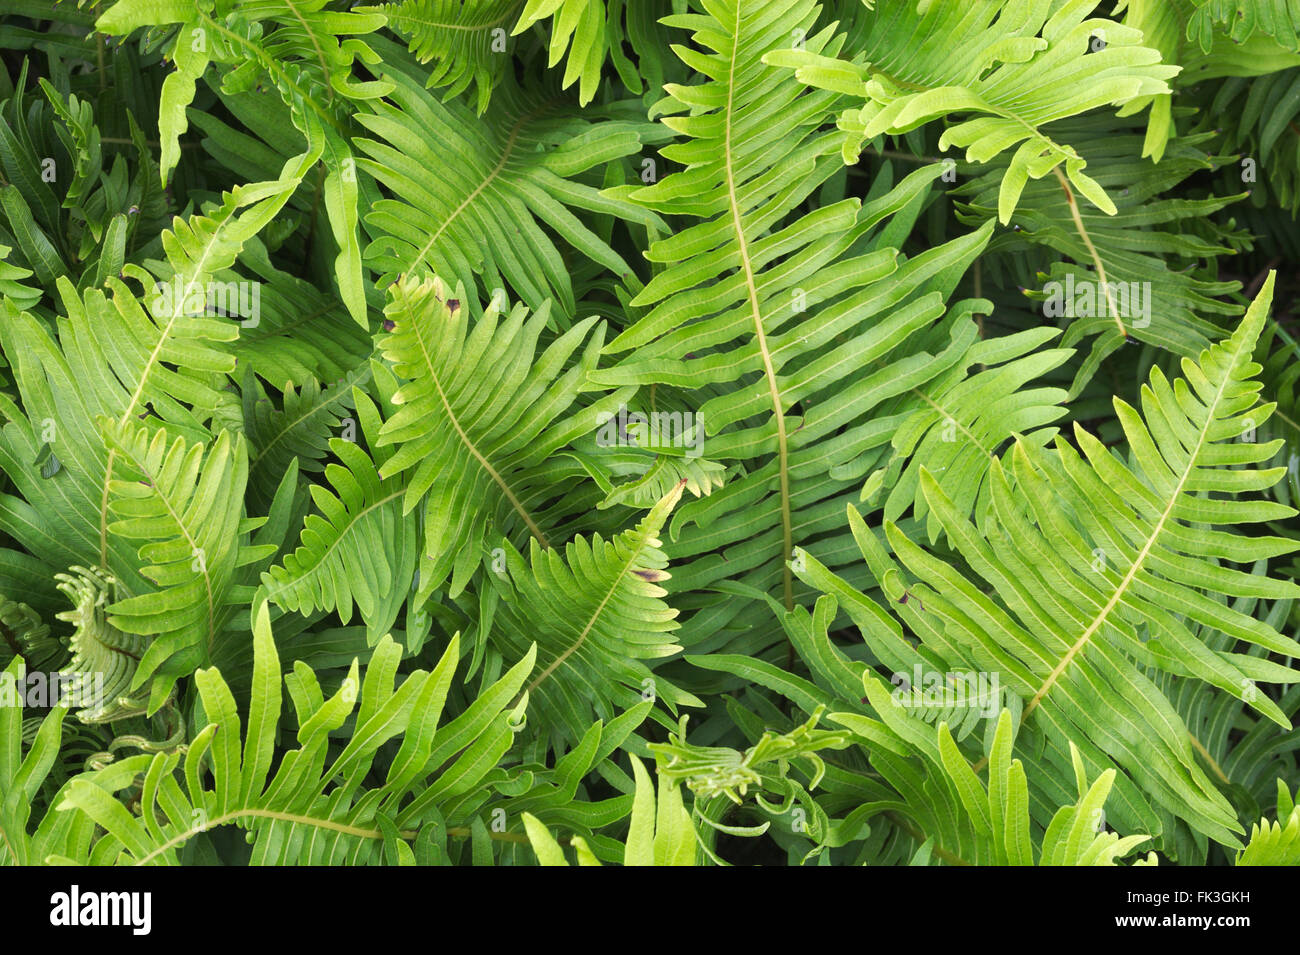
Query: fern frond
x: 1265, y: 110
x: 301, y: 332
x: 1240, y: 19
x: 359, y: 548
x: 742, y: 175
x: 478, y: 408
x: 661, y: 832
x: 515, y: 169
x: 595, y: 613
x: 1082, y: 557
x: 1277, y: 842
x: 1144, y: 272
x: 300, y: 428
x: 583, y: 22
x: 22, y: 775
x: 104, y: 659
x: 965, y: 821
x: 313, y: 793
x: 712, y: 771
x: 12, y: 285
x: 117, y: 357
x: 24, y: 634
x: 1013, y: 67
x: 467, y: 41
x: 963, y: 418
x: 307, y: 52
x: 182, y: 504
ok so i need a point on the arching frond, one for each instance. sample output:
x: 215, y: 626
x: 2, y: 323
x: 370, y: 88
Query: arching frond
x: 1120, y: 277
x: 181, y: 504
x: 359, y: 547
x: 780, y: 313
x: 300, y: 428
x: 1081, y: 555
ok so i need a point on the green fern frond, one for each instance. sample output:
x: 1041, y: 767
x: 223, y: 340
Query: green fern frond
x: 595, y: 613
x: 1081, y: 557
x: 300, y: 428
x: 963, y: 420
x: 965, y: 821
x: 711, y: 771
x: 1014, y: 67
x: 467, y: 41
x: 661, y: 832
x: 22, y: 776
x: 24, y: 634
x: 1277, y: 842
x: 301, y: 332
x: 699, y: 476
x: 1135, y: 251
x: 65, y: 211
x: 181, y: 503
x: 294, y: 44
x: 299, y: 48
x: 104, y: 659
x: 583, y: 22
x: 312, y: 791
x: 115, y: 356
x: 12, y: 285
x: 479, y: 406
x: 516, y: 169
x: 359, y: 548
x: 1240, y: 19
x: 742, y: 175
x: 1265, y: 111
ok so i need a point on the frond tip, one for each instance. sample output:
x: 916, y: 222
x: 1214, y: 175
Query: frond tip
x: 596, y: 612
x: 478, y: 408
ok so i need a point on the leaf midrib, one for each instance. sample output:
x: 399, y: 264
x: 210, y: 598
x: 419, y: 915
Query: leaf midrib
x: 595, y: 615
x: 462, y: 27
x: 194, y: 547
x: 311, y: 411
x: 760, y: 336
x: 353, y: 521
x: 491, y: 176
x: 484, y: 463
x: 164, y: 336
x: 1141, y: 557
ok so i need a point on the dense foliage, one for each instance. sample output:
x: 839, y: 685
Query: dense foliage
x: 668, y: 432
